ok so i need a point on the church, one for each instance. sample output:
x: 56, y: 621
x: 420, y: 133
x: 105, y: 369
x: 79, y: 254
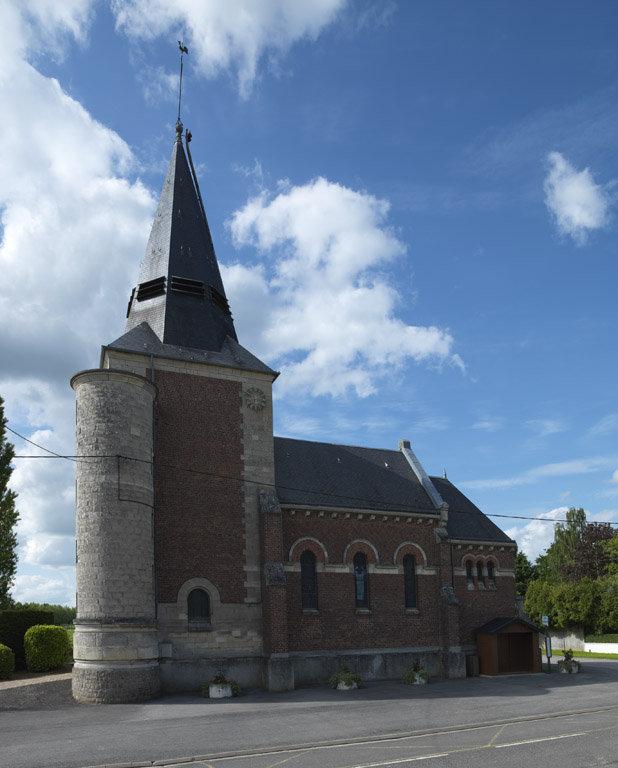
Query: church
x: 206, y: 545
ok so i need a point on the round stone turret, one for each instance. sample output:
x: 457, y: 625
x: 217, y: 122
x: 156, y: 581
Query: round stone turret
x: 115, y: 643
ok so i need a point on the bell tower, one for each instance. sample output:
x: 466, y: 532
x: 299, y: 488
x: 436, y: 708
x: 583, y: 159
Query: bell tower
x: 176, y: 439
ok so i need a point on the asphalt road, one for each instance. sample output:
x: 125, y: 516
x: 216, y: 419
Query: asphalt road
x: 570, y: 741
x: 455, y: 722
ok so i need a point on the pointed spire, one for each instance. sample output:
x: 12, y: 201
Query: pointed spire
x: 180, y: 293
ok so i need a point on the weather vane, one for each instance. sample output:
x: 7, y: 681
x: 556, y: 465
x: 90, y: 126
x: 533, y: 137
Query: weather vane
x: 183, y: 49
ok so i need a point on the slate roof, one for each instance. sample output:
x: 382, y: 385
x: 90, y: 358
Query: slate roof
x: 497, y: 625
x: 344, y: 476
x: 143, y: 340
x: 186, y: 306
x: 465, y: 519
x: 325, y: 474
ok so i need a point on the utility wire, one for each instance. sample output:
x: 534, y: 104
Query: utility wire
x: 36, y: 445
x: 387, y: 506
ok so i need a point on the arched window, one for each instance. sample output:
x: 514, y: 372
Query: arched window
x: 361, y: 580
x: 409, y: 580
x: 491, y: 576
x: 469, y: 570
x: 479, y: 575
x: 198, y: 609
x: 309, y: 582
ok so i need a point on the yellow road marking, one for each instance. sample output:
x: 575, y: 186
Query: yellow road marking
x: 287, y: 759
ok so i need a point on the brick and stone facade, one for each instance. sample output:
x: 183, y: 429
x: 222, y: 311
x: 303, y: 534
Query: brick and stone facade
x: 194, y: 521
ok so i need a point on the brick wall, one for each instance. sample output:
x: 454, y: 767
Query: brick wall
x: 484, y: 601
x: 338, y: 625
x: 199, y: 526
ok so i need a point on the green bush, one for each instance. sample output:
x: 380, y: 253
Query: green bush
x: 47, y: 647
x: 347, y: 678
x: 601, y: 638
x: 410, y: 674
x: 7, y: 662
x: 13, y: 627
x: 62, y: 614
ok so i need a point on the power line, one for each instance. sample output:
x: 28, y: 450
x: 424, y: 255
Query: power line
x: 392, y: 506
x: 36, y: 445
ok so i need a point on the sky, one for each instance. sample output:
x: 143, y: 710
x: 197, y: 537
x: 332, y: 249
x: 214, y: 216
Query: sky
x: 414, y: 209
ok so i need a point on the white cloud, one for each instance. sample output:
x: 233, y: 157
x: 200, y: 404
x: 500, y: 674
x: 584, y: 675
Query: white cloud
x: 55, y: 587
x: 577, y: 204
x: 558, y: 469
x: 605, y: 426
x: 331, y: 322
x: 228, y: 35
x: 71, y: 221
x: 489, y: 424
x: 544, y: 427
x: 614, y: 477
x: 31, y: 27
x: 534, y: 537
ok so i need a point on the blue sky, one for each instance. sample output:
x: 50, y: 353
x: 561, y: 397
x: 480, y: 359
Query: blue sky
x: 414, y: 208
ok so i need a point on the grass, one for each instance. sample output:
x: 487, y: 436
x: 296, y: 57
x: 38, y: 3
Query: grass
x: 585, y: 655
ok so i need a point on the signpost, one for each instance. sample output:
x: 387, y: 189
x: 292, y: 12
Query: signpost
x: 545, y: 621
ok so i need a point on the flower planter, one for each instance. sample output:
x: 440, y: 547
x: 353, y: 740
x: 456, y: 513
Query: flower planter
x: 572, y: 670
x: 419, y: 680
x: 341, y: 686
x: 220, y: 690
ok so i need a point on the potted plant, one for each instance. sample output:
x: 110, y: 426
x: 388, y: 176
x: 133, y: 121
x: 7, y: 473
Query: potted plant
x: 568, y: 664
x: 346, y: 680
x: 220, y: 687
x: 416, y: 675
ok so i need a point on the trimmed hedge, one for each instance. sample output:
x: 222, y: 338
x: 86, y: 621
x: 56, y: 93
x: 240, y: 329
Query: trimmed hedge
x: 7, y: 662
x: 47, y: 647
x: 14, y: 625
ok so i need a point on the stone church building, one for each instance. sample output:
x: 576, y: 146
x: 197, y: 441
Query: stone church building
x: 206, y: 545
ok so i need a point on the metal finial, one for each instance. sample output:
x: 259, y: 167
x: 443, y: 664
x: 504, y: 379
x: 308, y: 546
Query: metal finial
x: 445, y: 477
x: 183, y: 49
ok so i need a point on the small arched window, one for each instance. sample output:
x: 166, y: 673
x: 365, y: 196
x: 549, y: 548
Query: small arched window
x: 479, y: 575
x: 409, y: 580
x: 469, y: 570
x: 361, y: 580
x: 309, y: 582
x: 491, y: 575
x: 198, y: 609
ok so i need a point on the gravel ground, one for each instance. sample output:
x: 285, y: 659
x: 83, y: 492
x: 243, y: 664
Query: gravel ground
x: 37, y: 690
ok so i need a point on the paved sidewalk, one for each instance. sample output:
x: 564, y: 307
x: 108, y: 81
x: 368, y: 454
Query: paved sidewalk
x: 177, y: 727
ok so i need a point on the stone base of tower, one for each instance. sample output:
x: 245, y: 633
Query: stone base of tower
x: 115, y: 684
x: 115, y: 663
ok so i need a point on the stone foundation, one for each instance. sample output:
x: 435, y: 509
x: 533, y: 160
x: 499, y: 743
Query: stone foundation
x: 122, y: 684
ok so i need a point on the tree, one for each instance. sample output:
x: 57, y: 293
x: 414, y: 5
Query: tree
x: 611, y: 553
x: 525, y: 572
x: 559, y: 554
x: 589, y: 554
x: 8, y: 517
x: 540, y: 601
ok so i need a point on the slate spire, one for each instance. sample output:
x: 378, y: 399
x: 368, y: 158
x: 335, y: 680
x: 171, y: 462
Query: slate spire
x: 180, y: 293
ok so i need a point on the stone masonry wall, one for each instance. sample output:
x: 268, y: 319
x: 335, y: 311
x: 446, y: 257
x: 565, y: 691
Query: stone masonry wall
x: 115, y: 643
x: 114, y: 496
